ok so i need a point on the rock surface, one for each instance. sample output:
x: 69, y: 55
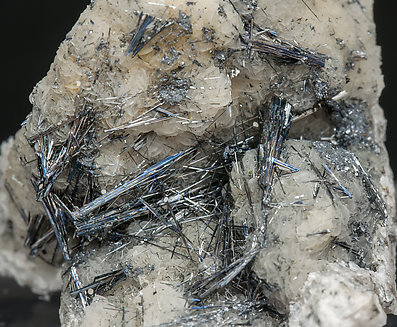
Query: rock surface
x: 137, y: 83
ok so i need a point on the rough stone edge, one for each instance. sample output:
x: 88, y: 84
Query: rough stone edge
x: 40, y: 277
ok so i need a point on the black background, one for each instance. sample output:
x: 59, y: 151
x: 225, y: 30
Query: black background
x: 31, y: 32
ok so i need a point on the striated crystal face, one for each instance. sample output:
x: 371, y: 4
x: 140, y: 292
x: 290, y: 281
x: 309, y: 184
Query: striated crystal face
x: 208, y: 162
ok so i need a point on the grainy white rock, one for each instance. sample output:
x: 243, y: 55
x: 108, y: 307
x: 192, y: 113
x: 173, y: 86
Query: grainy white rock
x: 302, y: 231
x: 15, y: 262
x: 199, y: 70
x: 339, y: 295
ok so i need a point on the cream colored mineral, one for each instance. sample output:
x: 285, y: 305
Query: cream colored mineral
x: 42, y: 278
x: 197, y: 77
x: 302, y: 230
x: 148, y: 298
x: 91, y: 68
x: 344, y: 295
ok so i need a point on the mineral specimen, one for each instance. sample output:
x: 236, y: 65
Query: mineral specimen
x: 206, y: 162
